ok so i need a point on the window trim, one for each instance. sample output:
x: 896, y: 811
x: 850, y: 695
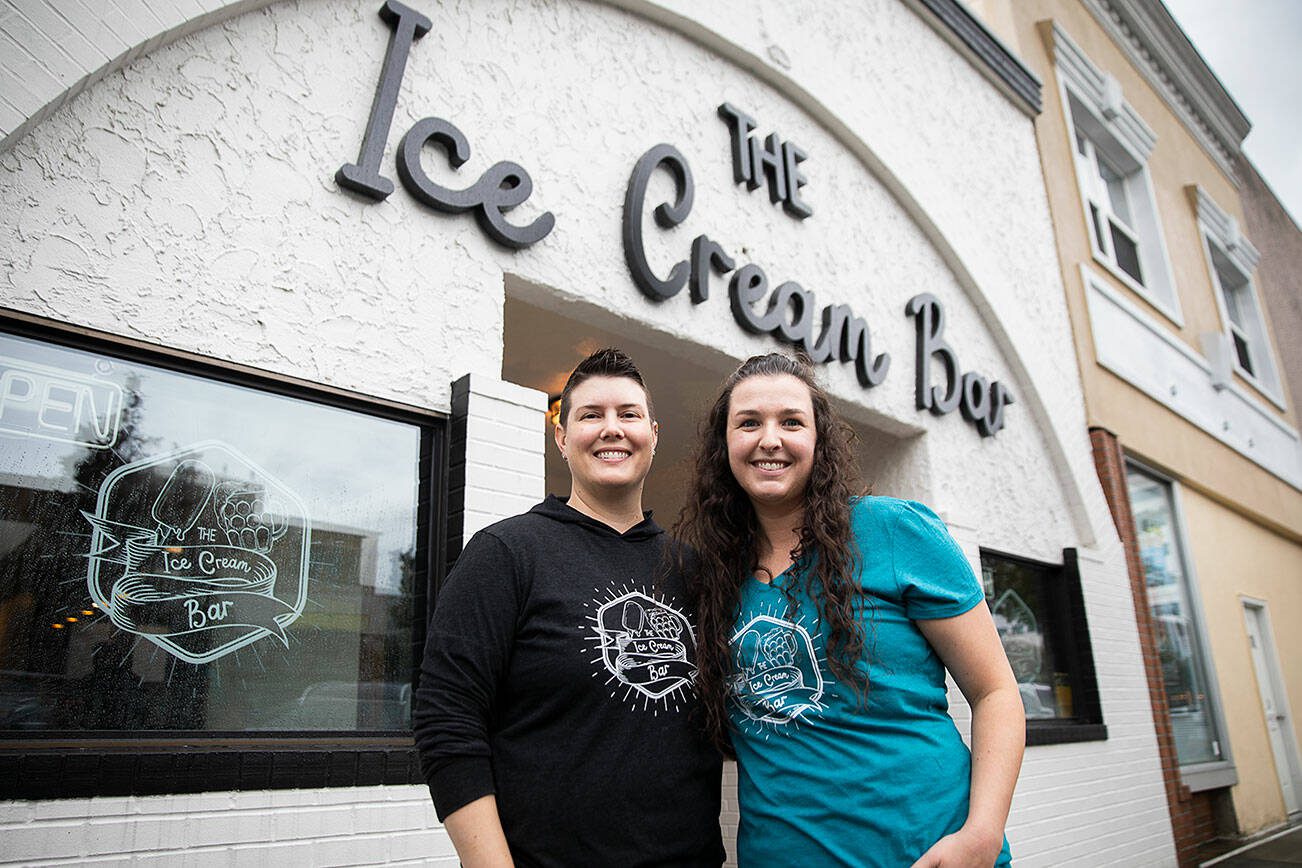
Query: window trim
x: 1220, y: 229
x: 1098, y: 94
x: 1087, y: 724
x: 80, y: 763
x: 1205, y: 775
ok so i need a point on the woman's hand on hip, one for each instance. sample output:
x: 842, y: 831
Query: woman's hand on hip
x: 966, y: 848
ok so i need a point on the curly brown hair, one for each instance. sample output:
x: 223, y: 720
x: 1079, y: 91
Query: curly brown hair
x: 721, y: 533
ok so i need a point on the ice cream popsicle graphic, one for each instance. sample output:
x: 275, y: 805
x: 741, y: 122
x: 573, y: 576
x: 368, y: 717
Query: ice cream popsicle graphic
x: 182, y: 499
x: 632, y: 617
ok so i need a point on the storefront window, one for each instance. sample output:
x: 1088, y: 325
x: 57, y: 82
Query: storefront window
x: 179, y: 553
x: 1178, y: 644
x: 1038, y: 613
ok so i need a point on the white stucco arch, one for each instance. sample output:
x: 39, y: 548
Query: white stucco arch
x: 77, y: 49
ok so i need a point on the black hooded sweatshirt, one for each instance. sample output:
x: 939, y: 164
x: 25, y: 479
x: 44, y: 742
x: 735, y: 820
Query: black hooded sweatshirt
x: 558, y: 676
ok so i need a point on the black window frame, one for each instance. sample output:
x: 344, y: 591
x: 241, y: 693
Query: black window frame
x: 60, y: 764
x: 1067, y: 606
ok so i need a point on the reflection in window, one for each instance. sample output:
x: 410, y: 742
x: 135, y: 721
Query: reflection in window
x: 1178, y: 645
x: 178, y: 553
x: 1034, y: 609
x: 1108, y: 193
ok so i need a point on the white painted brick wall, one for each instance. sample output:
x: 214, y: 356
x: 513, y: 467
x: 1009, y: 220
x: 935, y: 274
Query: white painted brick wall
x: 342, y: 826
x: 505, y: 452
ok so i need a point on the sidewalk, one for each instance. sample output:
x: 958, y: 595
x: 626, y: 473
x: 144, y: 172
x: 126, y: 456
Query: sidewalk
x: 1282, y: 849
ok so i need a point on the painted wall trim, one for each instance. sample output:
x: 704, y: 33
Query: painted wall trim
x: 1139, y: 350
x: 1101, y: 91
x: 1224, y: 228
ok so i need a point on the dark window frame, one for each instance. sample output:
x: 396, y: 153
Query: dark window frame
x: 1067, y: 605
x: 82, y: 763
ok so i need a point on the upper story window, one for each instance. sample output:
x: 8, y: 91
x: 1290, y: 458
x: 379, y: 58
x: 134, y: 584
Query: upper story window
x: 1111, y: 145
x: 1231, y: 260
x: 1108, y: 200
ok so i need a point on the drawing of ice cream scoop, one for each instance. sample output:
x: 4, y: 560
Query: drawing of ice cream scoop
x: 248, y: 517
x: 749, y: 654
x: 663, y: 624
x: 779, y: 648
x: 182, y: 499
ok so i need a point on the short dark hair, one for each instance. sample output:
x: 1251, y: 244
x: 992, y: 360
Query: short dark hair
x: 608, y: 362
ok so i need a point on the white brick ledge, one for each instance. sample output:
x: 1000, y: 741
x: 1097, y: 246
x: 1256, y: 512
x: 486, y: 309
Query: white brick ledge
x: 337, y: 826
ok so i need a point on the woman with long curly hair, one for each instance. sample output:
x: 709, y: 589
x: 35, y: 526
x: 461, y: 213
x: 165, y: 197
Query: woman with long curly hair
x: 826, y: 623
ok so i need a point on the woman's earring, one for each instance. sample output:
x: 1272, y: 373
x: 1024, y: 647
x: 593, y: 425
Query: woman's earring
x: 565, y: 457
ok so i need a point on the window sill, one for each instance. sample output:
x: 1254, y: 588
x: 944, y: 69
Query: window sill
x: 1209, y: 776
x: 1168, y: 312
x: 1259, y: 386
x: 1040, y: 733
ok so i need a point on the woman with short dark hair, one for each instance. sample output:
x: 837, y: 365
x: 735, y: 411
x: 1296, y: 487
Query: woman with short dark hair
x: 553, y: 711
x: 826, y: 624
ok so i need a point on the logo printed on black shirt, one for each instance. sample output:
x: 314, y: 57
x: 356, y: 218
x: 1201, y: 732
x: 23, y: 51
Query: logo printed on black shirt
x: 647, y: 648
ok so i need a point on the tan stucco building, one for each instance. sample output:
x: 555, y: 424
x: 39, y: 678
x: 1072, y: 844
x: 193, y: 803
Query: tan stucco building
x: 1192, y: 418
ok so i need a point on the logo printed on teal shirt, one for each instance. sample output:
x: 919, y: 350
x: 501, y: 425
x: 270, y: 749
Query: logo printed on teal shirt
x: 777, y: 679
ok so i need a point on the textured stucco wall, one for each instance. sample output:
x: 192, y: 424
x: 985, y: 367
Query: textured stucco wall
x: 189, y: 200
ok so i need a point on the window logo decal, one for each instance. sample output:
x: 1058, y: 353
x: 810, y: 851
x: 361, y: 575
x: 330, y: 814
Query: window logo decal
x: 647, y: 646
x: 200, y: 551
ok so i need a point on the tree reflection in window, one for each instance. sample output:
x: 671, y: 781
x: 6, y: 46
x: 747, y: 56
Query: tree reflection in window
x: 65, y: 666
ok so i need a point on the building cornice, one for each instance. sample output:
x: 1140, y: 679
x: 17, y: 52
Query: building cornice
x: 1163, y: 54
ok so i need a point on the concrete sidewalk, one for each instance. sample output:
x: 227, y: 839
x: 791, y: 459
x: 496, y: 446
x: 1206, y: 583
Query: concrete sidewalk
x: 1282, y: 849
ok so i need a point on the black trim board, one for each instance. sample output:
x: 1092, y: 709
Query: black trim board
x: 80, y: 772
x: 955, y: 21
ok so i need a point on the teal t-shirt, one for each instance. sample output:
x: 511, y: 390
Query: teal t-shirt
x: 823, y: 780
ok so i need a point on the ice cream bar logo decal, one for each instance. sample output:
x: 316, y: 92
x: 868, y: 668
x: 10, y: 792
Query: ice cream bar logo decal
x: 646, y: 646
x: 199, y: 551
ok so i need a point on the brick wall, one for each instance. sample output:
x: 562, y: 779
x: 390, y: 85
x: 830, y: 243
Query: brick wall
x: 342, y: 826
x: 1193, y: 815
x: 496, y: 462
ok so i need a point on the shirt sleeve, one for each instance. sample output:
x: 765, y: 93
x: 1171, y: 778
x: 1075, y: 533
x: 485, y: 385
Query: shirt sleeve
x: 934, y: 578
x: 467, y: 650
